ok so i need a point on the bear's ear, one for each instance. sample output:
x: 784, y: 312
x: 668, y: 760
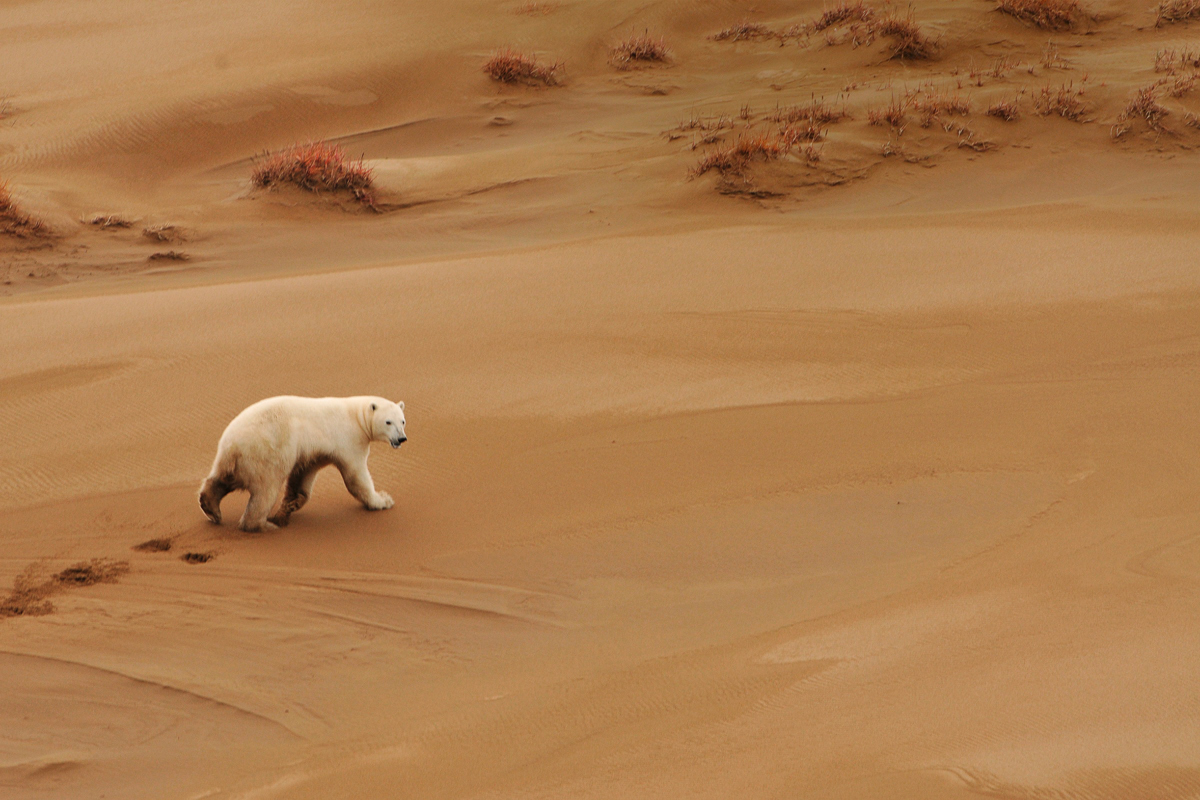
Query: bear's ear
x: 401, y: 404
x: 372, y: 406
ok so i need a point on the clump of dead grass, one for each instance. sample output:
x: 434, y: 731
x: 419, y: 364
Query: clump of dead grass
x: 640, y: 50
x: 742, y: 31
x: 1051, y: 15
x: 1145, y: 107
x: 109, y: 221
x: 512, y: 66
x: 932, y: 106
x: 1170, y: 11
x: 15, y: 222
x: 30, y: 595
x: 894, y: 115
x: 1066, y: 101
x: 841, y: 14
x: 816, y: 111
x: 197, y: 558
x: 1171, y: 59
x: 316, y: 167
x: 1004, y: 109
x: 164, y: 233
x: 735, y: 158
x: 908, y: 40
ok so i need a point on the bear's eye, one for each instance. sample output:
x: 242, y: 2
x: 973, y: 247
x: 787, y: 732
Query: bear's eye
x: 389, y: 422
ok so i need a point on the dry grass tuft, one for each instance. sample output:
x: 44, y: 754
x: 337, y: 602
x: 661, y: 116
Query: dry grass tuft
x: 644, y: 49
x: 1051, y: 15
x: 1143, y: 106
x: 316, y: 167
x: 1065, y: 102
x: 908, y: 40
x: 1171, y: 60
x: 15, y: 222
x: 1003, y: 109
x: 109, y: 221
x: 169, y: 255
x: 933, y: 106
x: 842, y: 13
x: 164, y: 233
x: 894, y: 115
x: 736, y: 157
x: 197, y: 558
x: 1169, y: 11
x: 741, y: 31
x: 816, y: 111
x: 805, y: 131
x: 511, y: 66
x: 1181, y: 85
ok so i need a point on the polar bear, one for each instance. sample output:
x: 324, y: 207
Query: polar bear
x: 290, y: 439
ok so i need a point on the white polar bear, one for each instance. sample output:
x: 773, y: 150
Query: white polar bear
x: 290, y: 439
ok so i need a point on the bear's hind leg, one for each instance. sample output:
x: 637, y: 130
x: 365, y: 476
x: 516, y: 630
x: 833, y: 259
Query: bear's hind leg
x: 212, y: 492
x: 299, y: 489
x: 262, y: 499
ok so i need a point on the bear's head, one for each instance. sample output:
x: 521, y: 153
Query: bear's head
x: 387, y: 422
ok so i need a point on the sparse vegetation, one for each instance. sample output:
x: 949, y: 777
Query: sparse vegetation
x: 197, y: 558
x: 908, y: 40
x: 736, y: 157
x: 1051, y: 59
x: 164, y: 233
x: 1171, y: 60
x: 932, y: 106
x: 1065, y: 101
x: 316, y: 167
x: 842, y: 13
x: 1003, y: 109
x: 1052, y: 15
x: 511, y: 66
x: 644, y: 49
x: 893, y: 115
x: 741, y: 31
x: 14, y: 221
x: 816, y: 111
x: 1169, y: 11
x: 109, y: 221
x: 1145, y: 107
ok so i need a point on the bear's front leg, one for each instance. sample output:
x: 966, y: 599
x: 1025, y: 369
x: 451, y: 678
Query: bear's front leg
x: 359, y: 483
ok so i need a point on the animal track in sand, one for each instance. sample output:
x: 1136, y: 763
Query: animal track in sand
x: 30, y: 595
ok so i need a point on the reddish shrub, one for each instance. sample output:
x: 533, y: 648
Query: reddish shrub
x: 510, y: 66
x: 644, y: 49
x: 316, y: 167
x: 1052, y: 15
x: 736, y: 157
x: 14, y: 221
x: 742, y: 30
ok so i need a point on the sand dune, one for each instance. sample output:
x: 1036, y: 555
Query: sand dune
x: 866, y: 477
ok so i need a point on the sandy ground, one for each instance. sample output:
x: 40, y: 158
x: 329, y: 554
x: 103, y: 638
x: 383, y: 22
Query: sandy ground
x: 874, y: 477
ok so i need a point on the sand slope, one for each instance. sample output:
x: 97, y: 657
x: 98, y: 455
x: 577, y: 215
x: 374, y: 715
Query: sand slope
x: 882, y: 489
